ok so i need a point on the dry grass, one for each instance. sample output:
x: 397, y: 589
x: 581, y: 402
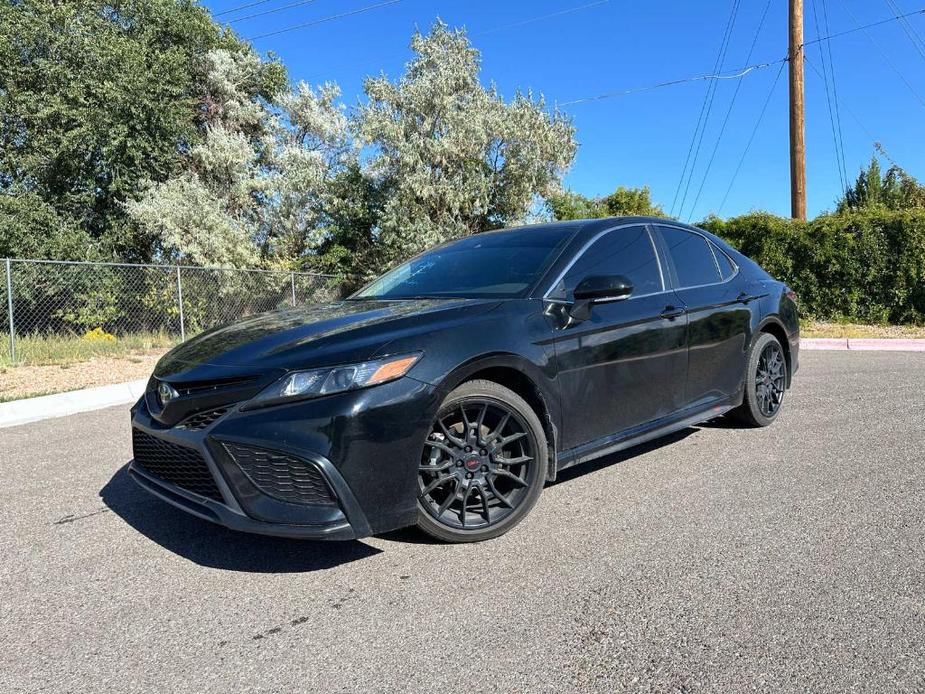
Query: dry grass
x: 41, y: 350
x: 845, y: 330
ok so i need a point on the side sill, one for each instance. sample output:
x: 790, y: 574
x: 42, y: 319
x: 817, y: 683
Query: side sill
x: 644, y: 433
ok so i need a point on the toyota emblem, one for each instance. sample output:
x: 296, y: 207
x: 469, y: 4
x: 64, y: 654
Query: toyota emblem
x: 166, y: 393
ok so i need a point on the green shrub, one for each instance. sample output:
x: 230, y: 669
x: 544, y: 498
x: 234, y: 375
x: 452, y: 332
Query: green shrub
x: 866, y: 266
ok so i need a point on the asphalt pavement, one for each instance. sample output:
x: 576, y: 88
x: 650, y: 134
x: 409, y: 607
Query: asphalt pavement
x: 720, y: 560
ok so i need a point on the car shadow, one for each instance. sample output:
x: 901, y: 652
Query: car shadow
x: 724, y: 422
x: 214, y: 546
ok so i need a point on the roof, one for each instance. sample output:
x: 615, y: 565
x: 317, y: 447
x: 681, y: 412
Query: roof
x: 595, y: 225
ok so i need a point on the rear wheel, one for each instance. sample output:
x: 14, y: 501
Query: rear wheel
x: 483, y: 465
x: 765, y: 382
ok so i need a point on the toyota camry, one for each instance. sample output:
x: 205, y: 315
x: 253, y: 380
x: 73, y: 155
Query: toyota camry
x: 449, y: 391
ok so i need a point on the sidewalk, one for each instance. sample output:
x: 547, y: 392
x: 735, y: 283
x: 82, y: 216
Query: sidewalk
x: 62, y: 404
x: 864, y: 343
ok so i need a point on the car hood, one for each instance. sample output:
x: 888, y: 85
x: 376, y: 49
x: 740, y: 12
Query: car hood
x: 314, y: 335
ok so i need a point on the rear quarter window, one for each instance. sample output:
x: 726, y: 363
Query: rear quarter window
x: 726, y: 267
x: 692, y: 256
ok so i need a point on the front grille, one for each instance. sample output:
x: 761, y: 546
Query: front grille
x: 202, y: 419
x: 179, y: 465
x: 280, y: 475
x: 196, y: 387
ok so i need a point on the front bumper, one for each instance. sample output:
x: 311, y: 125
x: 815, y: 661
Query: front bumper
x: 339, y: 467
x: 210, y: 510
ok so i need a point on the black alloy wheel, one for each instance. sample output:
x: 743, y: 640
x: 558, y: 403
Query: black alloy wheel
x: 765, y: 382
x: 769, y: 379
x: 483, y: 465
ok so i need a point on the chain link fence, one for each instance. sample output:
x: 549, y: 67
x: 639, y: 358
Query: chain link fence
x: 53, y: 309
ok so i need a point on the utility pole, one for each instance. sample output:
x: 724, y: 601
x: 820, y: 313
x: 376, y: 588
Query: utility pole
x: 797, y: 116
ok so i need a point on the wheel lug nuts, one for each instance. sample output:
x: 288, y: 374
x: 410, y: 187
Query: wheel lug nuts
x: 468, y: 449
x: 459, y: 463
x: 483, y: 452
x: 484, y: 468
x: 468, y: 475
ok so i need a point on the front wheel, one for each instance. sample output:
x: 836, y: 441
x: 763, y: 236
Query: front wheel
x: 483, y: 465
x: 765, y: 382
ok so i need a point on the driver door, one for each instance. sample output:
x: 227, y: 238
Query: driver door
x: 627, y: 364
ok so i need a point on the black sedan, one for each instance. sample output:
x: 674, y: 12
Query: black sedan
x: 450, y: 390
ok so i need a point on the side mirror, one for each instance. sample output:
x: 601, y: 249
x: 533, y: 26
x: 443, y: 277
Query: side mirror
x: 596, y: 288
x: 603, y: 287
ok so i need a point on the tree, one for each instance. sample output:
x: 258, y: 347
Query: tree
x: 455, y: 158
x: 22, y: 214
x: 282, y: 178
x: 896, y: 190
x: 622, y: 202
x: 97, y: 96
x: 256, y: 190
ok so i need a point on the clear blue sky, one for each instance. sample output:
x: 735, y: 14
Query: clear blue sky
x: 643, y: 138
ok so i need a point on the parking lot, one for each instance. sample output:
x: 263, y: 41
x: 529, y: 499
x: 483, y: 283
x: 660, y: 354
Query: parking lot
x: 722, y: 559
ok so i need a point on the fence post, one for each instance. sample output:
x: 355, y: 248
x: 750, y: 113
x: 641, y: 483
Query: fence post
x: 292, y: 278
x: 9, y: 308
x: 180, y: 302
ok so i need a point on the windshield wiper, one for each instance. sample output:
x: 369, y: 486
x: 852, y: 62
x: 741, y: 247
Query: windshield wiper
x: 415, y: 297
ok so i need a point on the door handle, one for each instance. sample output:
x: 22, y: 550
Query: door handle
x: 672, y: 312
x: 745, y: 297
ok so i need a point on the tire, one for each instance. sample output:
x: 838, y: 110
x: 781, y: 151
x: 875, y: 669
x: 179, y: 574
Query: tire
x: 483, y: 466
x: 765, y: 383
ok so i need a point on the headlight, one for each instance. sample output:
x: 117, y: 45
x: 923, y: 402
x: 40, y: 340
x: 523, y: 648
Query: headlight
x: 337, y: 379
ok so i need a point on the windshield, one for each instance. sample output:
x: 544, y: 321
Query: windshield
x: 489, y: 265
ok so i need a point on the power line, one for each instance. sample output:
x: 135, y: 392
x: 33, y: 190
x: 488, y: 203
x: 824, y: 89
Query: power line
x: 706, y: 98
x: 883, y: 53
x: 839, y: 156
x: 910, y: 30
x: 751, y: 138
x: 864, y: 27
x: 835, y: 99
x: 845, y: 106
x: 711, y: 88
x: 272, y: 10
x: 541, y: 17
x: 703, y: 107
x: 916, y: 33
x: 732, y: 102
x: 323, y: 20
x: 737, y: 75
x: 241, y: 7
x: 671, y: 83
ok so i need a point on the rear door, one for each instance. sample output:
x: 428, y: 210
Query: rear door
x: 625, y: 365
x: 703, y: 278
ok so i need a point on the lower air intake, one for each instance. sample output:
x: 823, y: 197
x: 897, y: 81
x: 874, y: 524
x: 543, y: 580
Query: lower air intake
x: 178, y: 465
x: 281, y: 475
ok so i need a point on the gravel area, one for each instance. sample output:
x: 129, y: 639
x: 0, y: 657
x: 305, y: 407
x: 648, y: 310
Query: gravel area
x: 787, y: 559
x: 29, y: 381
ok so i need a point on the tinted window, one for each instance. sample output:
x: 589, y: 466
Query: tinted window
x: 627, y: 252
x: 502, y: 264
x: 693, y: 259
x: 726, y: 268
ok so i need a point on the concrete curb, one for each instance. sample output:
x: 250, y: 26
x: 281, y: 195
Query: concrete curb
x: 864, y: 344
x: 63, y: 404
